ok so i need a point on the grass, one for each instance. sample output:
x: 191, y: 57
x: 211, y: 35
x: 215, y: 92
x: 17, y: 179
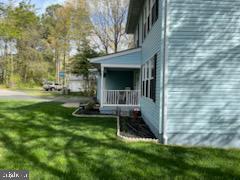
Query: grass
x: 41, y: 93
x: 46, y: 140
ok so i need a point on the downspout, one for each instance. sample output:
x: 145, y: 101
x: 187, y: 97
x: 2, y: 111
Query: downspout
x: 165, y: 78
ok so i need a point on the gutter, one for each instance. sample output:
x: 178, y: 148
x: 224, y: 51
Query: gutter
x: 165, y: 78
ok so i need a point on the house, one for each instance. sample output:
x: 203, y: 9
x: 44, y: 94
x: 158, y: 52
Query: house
x: 77, y: 83
x: 184, y: 73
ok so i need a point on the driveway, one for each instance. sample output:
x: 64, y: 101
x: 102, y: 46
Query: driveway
x: 22, y: 96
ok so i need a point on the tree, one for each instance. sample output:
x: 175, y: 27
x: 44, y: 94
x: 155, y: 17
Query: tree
x: 66, y: 27
x: 9, y: 32
x: 20, y: 34
x: 34, y: 48
x: 27, y: 44
x: 52, y: 34
x: 81, y: 25
x: 109, y: 18
x: 80, y: 64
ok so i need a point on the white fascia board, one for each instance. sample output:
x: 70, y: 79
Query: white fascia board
x: 121, y: 66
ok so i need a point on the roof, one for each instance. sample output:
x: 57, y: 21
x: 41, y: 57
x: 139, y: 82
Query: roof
x: 128, y: 57
x: 134, y: 11
x: 114, y: 55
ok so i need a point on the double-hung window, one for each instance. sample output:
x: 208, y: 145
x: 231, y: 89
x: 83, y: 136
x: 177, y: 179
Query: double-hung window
x: 153, y: 74
x: 150, y: 15
x: 149, y: 78
x: 143, y: 80
x: 155, y: 10
x: 145, y: 23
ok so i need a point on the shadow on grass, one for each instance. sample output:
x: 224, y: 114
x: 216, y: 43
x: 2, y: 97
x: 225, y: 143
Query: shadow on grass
x: 44, y: 137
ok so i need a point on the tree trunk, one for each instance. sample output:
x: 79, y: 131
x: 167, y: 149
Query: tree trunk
x: 25, y: 74
x: 106, y: 50
x: 6, y: 78
x: 65, y: 51
x: 12, y: 71
x: 57, y: 66
x: 115, y: 46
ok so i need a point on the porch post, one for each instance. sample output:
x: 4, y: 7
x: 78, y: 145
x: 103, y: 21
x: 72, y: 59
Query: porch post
x: 102, y: 85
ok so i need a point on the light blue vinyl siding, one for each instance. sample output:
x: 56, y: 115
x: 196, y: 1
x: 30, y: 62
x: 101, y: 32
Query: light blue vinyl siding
x: 204, y: 72
x: 133, y: 58
x: 151, y: 111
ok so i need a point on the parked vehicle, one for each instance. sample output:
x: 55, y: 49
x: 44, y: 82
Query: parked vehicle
x: 51, y: 86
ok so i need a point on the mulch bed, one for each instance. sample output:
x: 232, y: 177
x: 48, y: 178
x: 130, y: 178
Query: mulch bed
x: 88, y: 112
x: 135, y: 128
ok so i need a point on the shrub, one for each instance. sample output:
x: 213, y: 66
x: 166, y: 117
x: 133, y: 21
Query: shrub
x: 90, y: 105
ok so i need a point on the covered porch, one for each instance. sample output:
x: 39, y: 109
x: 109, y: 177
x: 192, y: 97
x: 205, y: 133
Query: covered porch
x: 121, y: 87
x: 118, y: 82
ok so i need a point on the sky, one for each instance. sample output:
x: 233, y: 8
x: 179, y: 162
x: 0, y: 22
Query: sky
x: 41, y: 5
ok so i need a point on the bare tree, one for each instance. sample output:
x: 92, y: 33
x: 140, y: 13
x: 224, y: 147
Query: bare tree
x: 109, y: 19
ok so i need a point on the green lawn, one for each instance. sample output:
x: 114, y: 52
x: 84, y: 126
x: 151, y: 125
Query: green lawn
x: 46, y: 140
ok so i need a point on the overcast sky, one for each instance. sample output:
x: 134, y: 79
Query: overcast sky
x: 40, y: 4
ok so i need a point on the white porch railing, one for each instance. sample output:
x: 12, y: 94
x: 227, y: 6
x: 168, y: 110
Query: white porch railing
x: 121, y: 98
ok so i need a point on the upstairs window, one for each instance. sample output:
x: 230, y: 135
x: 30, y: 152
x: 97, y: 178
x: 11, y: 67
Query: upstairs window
x: 155, y: 11
x: 136, y: 37
x: 144, y: 23
x: 148, y: 24
x: 150, y: 15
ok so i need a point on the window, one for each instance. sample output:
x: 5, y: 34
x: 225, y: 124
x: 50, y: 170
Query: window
x: 150, y: 15
x: 153, y: 78
x: 149, y: 78
x: 155, y: 7
x: 148, y: 24
x: 145, y: 23
x: 143, y: 80
x: 136, y: 37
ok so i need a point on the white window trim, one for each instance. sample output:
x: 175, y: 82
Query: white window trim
x: 147, y: 75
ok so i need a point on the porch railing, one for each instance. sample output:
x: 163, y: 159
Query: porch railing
x: 121, y: 98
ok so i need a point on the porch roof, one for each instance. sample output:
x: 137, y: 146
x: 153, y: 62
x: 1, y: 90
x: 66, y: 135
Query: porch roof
x: 128, y: 58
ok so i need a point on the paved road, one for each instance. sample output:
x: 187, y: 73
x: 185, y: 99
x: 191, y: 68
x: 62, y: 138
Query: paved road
x: 18, y: 95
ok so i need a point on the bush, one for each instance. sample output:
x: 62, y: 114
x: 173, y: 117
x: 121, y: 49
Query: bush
x: 90, y: 105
